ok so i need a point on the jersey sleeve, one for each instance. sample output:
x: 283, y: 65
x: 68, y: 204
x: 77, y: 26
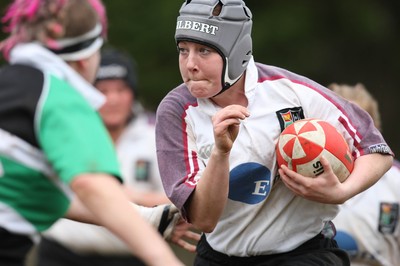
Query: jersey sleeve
x: 355, y: 124
x: 177, y: 158
x: 72, y: 134
x: 317, y: 101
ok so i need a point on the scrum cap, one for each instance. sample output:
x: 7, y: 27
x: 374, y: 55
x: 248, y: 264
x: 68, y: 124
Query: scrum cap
x: 229, y: 32
x: 117, y: 65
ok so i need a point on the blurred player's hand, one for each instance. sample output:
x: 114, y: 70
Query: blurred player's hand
x: 174, y: 228
x: 185, y: 236
x: 168, y: 221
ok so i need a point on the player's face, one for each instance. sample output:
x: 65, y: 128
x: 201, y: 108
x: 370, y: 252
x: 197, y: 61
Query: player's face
x: 201, y: 69
x: 118, y: 107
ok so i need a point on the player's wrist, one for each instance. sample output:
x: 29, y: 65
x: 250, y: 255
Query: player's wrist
x: 163, y: 218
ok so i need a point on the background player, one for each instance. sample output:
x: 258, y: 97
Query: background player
x: 368, y: 224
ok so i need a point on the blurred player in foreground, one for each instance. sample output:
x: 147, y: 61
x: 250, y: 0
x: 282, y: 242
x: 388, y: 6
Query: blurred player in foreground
x: 368, y: 224
x: 132, y: 130
x: 56, y: 157
x: 216, y: 135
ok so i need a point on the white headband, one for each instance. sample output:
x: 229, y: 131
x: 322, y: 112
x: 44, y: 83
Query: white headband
x: 80, y: 47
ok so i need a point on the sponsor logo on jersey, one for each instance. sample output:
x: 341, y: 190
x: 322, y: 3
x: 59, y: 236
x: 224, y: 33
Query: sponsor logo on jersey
x: 288, y: 116
x: 388, y: 217
x: 249, y: 183
x: 205, y: 151
x: 196, y: 26
x: 379, y: 148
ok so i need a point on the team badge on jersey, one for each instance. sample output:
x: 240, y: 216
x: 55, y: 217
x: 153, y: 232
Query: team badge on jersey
x: 288, y: 116
x: 388, y: 217
x: 142, y: 170
x: 249, y: 183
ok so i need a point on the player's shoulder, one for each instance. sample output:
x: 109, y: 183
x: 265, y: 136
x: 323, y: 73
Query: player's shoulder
x: 271, y: 72
x: 146, y: 119
x: 287, y: 79
x: 176, y: 100
x: 395, y: 170
x: 179, y: 94
x: 396, y: 164
x: 11, y: 70
x: 392, y: 176
x: 141, y: 126
x: 20, y: 77
x: 21, y: 85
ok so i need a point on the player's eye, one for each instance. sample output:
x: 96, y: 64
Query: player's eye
x: 205, y: 50
x: 182, y: 50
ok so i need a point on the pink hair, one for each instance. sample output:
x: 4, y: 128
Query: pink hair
x: 21, y: 13
x: 101, y: 12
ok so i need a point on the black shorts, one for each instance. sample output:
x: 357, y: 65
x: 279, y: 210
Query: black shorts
x: 318, y: 251
x: 51, y: 253
x: 13, y: 248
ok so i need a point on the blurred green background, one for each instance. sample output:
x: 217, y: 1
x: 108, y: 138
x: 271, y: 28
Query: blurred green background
x: 328, y: 41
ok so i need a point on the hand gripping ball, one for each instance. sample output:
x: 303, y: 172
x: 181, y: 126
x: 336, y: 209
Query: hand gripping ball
x: 301, y: 145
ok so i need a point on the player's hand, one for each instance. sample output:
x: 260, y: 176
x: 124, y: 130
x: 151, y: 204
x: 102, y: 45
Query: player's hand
x: 185, y: 236
x: 165, y: 217
x: 325, y: 188
x: 226, y: 124
x: 174, y: 228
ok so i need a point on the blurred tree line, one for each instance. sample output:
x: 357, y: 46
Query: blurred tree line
x: 328, y: 41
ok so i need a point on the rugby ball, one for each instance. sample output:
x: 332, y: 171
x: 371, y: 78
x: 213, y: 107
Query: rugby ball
x: 301, y: 145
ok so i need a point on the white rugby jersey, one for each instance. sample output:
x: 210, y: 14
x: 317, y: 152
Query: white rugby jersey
x: 136, y: 150
x: 261, y: 216
x: 368, y: 224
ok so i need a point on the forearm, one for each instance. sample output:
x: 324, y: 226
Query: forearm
x: 147, y: 198
x: 211, y: 193
x: 78, y: 212
x: 111, y: 208
x: 368, y: 169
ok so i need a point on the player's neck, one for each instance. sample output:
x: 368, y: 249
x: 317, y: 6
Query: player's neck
x: 233, y: 95
x: 115, y: 133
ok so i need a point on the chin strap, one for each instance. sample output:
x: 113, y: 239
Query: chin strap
x: 224, y: 88
x: 227, y: 85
